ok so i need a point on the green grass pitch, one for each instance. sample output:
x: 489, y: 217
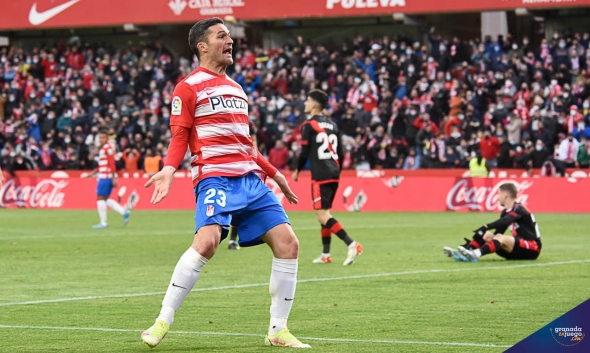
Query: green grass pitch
x: 67, y: 288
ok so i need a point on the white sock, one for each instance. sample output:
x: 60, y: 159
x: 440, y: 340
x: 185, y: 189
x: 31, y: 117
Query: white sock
x: 352, y: 245
x: 101, y: 206
x: 325, y: 255
x: 283, y: 280
x: 167, y: 314
x: 184, y: 277
x: 114, y: 205
x: 477, y: 253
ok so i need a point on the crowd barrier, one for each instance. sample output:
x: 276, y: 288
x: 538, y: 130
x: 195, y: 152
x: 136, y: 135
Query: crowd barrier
x: 427, y: 190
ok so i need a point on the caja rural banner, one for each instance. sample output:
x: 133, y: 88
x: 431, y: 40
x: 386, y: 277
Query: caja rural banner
x: 355, y: 194
x: 23, y: 14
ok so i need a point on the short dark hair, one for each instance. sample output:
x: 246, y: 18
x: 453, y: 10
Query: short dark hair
x: 199, y: 32
x: 103, y: 131
x: 510, y: 188
x: 320, y: 97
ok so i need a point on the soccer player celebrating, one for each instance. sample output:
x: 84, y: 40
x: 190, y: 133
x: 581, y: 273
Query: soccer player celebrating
x: 525, y: 244
x: 210, y: 115
x: 320, y: 142
x: 107, y: 180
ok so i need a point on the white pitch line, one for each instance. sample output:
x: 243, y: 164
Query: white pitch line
x: 234, y: 334
x: 325, y: 279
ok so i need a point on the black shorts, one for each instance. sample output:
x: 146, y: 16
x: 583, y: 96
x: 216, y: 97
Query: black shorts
x: 523, y: 250
x: 322, y: 194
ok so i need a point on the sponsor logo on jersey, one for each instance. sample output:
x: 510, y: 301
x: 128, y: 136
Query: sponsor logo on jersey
x: 210, y: 210
x: 176, y: 106
x: 219, y: 103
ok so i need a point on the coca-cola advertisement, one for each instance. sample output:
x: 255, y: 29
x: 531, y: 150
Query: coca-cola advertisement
x: 45, y: 193
x: 365, y: 192
x: 466, y: 196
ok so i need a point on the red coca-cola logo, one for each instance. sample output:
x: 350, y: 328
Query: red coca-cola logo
x: 482, y: 198
x: 46, y: 194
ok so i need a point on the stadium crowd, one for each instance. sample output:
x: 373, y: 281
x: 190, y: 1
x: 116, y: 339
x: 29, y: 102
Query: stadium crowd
x: 399, y: 103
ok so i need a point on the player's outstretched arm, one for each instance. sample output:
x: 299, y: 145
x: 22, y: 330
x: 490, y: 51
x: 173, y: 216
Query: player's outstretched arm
x: 500, y: 225
x: 278, y: 177
x: 284, y: 185
x: 162, y: 182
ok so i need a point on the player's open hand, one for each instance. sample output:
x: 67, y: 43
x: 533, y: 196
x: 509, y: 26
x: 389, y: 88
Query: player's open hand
x: 282, y: 183
x: 162, y: 181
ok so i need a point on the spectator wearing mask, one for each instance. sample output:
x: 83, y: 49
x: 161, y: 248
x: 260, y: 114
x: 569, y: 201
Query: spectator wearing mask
x: 22, y: 163
x: 539, y: 155
x: 454, y: 121
x: 490, y: 148
x: 568, y: 151
x: 581, y: 130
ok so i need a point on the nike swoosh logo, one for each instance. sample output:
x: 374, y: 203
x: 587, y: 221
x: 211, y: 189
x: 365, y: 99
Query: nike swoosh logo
x: 210, y: 93
x: 37, y: 18
x: 289, y: 299
x: 174, y: 285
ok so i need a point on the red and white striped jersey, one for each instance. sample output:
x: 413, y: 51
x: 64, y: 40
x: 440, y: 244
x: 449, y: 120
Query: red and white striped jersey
x: 106, y: 161
x: 215, y: 109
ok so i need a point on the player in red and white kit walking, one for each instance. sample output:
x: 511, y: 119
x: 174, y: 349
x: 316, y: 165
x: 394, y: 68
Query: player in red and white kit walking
x: 210, y: 114
x: 107, y: 180
x: 320, y: 143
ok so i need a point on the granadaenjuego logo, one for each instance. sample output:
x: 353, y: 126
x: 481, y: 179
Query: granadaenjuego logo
x: 567, y: 336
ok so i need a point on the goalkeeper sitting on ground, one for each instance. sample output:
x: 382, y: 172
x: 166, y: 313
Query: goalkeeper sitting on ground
x: 524, y: 244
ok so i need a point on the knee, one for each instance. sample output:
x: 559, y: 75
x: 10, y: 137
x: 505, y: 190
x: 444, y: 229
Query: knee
x: 322, y: 218
x: 206, y: 249
x: 292, y: 247
x: 289, y: 248
x: 206, y: 246
x: 499, y: 238
x: 488, y: 236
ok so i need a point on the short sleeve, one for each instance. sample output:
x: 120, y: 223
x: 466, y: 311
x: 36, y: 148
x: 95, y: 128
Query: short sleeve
x: 182, y: 109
